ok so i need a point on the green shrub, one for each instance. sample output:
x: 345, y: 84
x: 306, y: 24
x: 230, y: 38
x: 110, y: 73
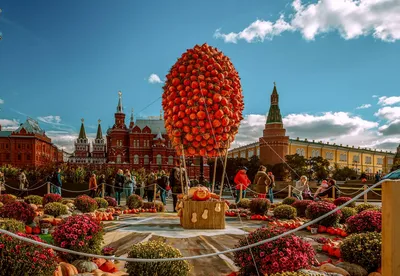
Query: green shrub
x: 85, y: 204
x: 33, y: 199
x: 364, y: 206
x: 158, y: 204
x: 317, y: 209
x: 244, y: 203
x: 289, y: 200
x: 101, y: 202
x: 156, y: 250
x: 259, y: 206
x: 12, y: 225
x: 66, y: 201
x: 363, y: 249
x: 285, y: 212
x: 346, y: 213
x: 55, y: 209
x: 134, y: 202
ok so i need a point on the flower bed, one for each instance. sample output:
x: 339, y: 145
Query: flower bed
x: 7, y: 198
x: 364, y: 206
x: 12, y: 225
x: 85, y: 204
x: 289, y: 200
x: 346, y: 213
x: 289, y: 253
x: 111, y: 201
x: 51, y: 198
x: 18, y: 257
x: 285, y: 212
x: 101, y: 202
x: 366, y: 221
x: 342, y: 200
x: 301, y: 206
x: 55, y: 209
x: 33, y: 199
x: 81, y: 233
x: 134, y: 202
x: 244, y: 203
x: 18, y: 210
x: 317, y: 209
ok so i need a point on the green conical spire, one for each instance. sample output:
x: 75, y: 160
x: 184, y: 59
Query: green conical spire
x: 99, y: 135
x: 274, y: 114
x: 82, y: 132
x: 119, y: 106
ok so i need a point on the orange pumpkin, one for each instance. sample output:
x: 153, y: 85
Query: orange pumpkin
x: 201, y: 194
x: 67, y: 269
x: 213, y: 195
x: 109, y: 266
x: 99, y: 262
x: 28, y: 229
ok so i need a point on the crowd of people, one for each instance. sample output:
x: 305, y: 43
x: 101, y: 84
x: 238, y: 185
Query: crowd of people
x: 265, y: 183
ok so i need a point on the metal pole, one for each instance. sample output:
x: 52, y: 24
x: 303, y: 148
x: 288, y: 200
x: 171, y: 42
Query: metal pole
x: 215, y: 173
x: 201, y: 178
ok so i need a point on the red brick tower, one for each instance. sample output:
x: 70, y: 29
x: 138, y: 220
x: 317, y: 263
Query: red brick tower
x: 274, y: 145
x: 99, y: 147
x: 82, y: 145
x: 118, y: 137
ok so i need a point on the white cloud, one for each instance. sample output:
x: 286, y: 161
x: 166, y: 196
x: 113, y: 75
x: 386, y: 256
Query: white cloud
x: 364, y: 106
x: 389, y: 100
x: 257, y: 31
x: 64, y: 139
x: 1, y: 101
x: 7, y: 124
x: 375, y: 96
x: 389, y: 113
x: 351, y: 18
x: 334, y: 127
x: 154, y: 79
x: 56, y: 120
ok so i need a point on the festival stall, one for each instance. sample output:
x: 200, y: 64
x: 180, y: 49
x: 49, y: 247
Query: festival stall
x: 203, y: 106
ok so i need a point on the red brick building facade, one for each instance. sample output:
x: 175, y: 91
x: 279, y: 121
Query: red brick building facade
x: 142, y: 144
x: 28, y: 146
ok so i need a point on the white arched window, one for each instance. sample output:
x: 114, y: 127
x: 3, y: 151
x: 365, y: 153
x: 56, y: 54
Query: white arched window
x: 146, y: 160
x: 159, y: 159
x: 136, y: 159
x: 118, y: 159
x: 170, y: 160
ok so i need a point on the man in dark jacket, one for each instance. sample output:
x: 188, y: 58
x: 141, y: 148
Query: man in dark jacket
x: 57, y: 182
x: 162, y: 183
x: 177, y: 173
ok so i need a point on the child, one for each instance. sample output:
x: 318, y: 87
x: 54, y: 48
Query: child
x: 324, y: 186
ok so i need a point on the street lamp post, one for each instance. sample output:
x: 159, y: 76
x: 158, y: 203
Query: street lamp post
x: 310, y: 163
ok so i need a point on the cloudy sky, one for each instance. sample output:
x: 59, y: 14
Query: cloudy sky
x: 335, y: 62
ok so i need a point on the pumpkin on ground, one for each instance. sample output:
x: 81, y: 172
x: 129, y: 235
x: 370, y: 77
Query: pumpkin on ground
x: 109, y: 266
x: 66, y: 269
x: 84, y: 266
x: 99, y: 262
x: 201, y: 194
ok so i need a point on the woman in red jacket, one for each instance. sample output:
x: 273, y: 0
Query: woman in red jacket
x: 241, y: 180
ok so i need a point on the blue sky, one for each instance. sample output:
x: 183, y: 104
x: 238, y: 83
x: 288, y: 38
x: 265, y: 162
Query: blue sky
x: 61, y: 61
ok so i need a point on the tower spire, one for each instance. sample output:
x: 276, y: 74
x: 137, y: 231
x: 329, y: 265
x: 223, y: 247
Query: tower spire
x: 119, y: 106
x: 99, y: 135
x: 132, y: 115
x: 82, y: 132
x: 274, y: 114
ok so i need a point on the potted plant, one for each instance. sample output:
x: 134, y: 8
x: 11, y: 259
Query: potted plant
x: 44, y: 227
x: 108, y: 251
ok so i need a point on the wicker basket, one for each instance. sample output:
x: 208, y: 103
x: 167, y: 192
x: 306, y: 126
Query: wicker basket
x: 214, y: 220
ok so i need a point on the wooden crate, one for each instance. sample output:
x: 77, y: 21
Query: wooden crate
x: 215, y: 220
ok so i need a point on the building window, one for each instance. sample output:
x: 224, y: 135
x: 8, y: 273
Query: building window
x: 28, y: 157
x: 23, y: 146
x: 118, y: 159
x: 136, y: 159
x: 368, y: 160
x: 170, y: 160
x: 356, y: 158
x: 159, y: 159
x: 250, y: 153
x: 6, y: 146
x: 19, y: 157
x: 315, y: 153
x: 390, y: 161
x: 146, y: 160
x: 329, y: 155
x: 235, y: 155
x: 19, y: 146
x: 258, y: 151
x: 7, y: 156
x: 343, y: 157
x: 300, y: 152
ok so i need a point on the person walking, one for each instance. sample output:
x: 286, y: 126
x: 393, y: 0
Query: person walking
x: 151, y: 180
x: 119, y: 185
x: 102, y: 181
x: 163, y: 183
x: 128, y: 184
x: 23, y: 181
x: 93, y: 185
x: 2, y: 183
x: 242, y: 181
x: 301, y: 186
x: 271, y: 187
x: 262, y: 182
x: 56, y: 182
x: 177, y: 175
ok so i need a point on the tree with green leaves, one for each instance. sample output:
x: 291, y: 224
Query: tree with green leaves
x: 344, y: 173
x: 297, y: 165
x: 320, y: 167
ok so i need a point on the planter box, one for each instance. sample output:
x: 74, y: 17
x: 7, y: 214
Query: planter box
x: 214, y: 220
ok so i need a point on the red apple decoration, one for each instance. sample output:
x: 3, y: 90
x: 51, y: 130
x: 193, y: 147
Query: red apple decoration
x: 202, y: 102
